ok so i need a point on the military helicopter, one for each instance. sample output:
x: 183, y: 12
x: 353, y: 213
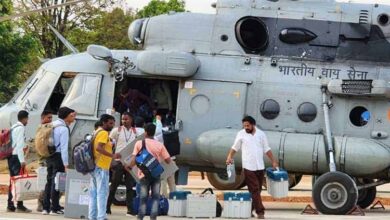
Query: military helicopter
x: 313, y: 73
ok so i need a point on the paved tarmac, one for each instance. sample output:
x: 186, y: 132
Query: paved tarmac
x: 299, y: 197
x: 275, y: 210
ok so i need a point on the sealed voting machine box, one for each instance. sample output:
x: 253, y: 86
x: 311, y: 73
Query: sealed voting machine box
x: 126, y: 156
x: 178, y: 203
x: 201, y: 205
x: 169, y: 169
x: 60, y: 182
x: 237, y: 205
x: 76, y: 195
x: 277, y: 183
x: 42, y: 178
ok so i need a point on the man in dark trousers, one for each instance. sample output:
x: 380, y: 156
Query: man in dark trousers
x: 17, y: 163
x: 46, y: 118
x: 59, y: 161
x: 123, y: 135
x: 254, y: 144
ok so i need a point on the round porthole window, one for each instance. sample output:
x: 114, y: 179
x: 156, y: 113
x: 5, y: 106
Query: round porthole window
x: 270, y: 109
x: 307, y: 112
x: 359, y: 116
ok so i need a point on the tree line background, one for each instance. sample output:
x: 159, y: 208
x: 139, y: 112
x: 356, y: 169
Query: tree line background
x: 26, y: 41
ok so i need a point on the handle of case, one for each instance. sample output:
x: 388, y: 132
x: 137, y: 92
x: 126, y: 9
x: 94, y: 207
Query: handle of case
x: 208, y: 189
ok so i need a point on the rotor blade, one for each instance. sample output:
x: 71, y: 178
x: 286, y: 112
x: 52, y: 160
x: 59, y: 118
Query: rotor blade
x: 5, y: 18
x: 64, y: 40
x: 43, y: 60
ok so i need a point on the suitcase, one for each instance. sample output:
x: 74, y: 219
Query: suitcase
x: 76, y: 195
x: 24, y: 187
x: 42, y: 178
x: 237, y: 205
x: 277, y: 183
x: 201, y: 206
x: 60, y: 182
x: 177, y: 203
x: 163, y: 205
x: 171, y: 142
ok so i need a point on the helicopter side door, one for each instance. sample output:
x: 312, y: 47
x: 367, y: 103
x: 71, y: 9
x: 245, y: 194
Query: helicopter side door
x: 205, y: 105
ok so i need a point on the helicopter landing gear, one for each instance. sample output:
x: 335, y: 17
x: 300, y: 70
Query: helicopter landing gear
x: 335, y: 193
x: 367, y: 195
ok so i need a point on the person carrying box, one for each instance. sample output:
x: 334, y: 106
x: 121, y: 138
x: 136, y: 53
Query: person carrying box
x: 17, y: 163
x: 159, y: 152
x: 254, y: 144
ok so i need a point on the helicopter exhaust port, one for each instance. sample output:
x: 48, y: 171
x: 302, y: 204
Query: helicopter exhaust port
x: 137, y: 31
x: 252, y: 34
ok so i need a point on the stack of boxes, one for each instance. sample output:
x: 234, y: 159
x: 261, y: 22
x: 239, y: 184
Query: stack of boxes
x: 178, y: 203
x: 237, y: 205
x: 201, y: 206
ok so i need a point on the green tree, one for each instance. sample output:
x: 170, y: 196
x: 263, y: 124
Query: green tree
x: 108, y: 29
x: 64, y: 19
x: 16, y: 50
x: 158, y: 7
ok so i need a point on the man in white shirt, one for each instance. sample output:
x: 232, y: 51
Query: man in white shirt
x: 17, y: 163
x: 170, y: 181
x: 139, y: 125
x: 122, y: 136
x: 254, y: 144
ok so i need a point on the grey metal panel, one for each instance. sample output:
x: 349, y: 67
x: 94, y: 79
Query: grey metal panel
x: 162, y: 34
x: 77, y: 195
x: 208, y: 104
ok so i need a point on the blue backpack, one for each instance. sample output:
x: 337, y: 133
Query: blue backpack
x: 83, y: 156
x: 148, y: 164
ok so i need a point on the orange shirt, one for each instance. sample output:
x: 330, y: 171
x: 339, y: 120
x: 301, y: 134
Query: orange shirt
x: 154, y: 147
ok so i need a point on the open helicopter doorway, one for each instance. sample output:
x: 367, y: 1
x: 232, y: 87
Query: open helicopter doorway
x: 144, y: 98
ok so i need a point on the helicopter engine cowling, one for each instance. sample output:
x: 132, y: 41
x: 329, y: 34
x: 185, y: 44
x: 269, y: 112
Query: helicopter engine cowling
x: 304, y: 153
x: 172, y: 63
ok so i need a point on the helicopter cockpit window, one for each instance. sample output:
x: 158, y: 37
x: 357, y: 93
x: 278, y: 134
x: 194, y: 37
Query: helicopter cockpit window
x: 83, y: 94
x: 307, y: 112
x: 59, y: 92
x: 270, y: 109
x: 36, y: 92
x: 359, y: 116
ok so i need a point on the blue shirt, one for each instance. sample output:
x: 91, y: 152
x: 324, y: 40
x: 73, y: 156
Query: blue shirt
x: 61, y: 139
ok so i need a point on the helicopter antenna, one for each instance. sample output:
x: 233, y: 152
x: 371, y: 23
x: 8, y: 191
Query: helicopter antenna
x: 64, y: 40
x: 6, y: 18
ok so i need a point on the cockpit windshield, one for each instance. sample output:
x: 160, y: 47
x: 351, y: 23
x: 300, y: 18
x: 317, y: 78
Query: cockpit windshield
x: 23, y: 88
x: 35, y: 92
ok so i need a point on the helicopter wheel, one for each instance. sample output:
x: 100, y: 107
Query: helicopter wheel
x: 335, y: 193
x: 366, y: 196
x: 220, y: 181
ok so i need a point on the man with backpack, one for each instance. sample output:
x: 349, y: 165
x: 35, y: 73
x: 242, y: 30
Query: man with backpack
x: 103, y: 154
x: 59, y: 161
x: 46, y: 118
x: 16, y: 162
x: 159, y: 152
x: 123, y: 135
